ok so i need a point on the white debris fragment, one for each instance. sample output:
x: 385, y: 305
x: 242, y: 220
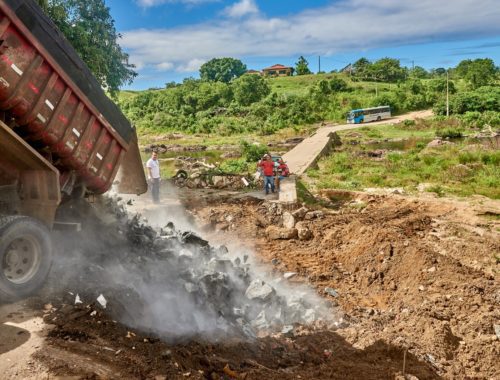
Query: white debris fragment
x: 289, y: 275
x: 102, y: 301
x: 258, y: 289
x: 78, y: 300
x: 93, y: 314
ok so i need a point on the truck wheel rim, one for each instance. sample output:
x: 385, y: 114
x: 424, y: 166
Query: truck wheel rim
x: 22, y: 259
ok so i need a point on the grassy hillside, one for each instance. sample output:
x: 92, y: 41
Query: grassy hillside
x: 263, y: 106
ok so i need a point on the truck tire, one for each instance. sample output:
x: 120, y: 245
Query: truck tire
x: 25, y: 256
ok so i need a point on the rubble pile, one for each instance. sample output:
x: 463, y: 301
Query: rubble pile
x: 163, y: 148
x: 281, y: 224
x: 198, y: 174
x: 176, y: 285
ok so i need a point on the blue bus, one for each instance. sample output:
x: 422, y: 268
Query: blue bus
x: 364, y: 115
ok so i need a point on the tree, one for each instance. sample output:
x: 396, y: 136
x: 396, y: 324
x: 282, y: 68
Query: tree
x: 250, y: 88
x: 419, y: 72
x: 479, y: 72
x: 438, y: 71
x: 302, y: 66
x: 89, y: 27
x: 222, y: 70
x: 387, y: 70
x: 338, y: 85
x: 360, y: 67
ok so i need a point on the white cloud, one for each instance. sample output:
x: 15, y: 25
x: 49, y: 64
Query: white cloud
x: 164, y: 66
x: 191, y: 66
x: 349, y: 25
x: 153, y: 3
x: 241, y: 8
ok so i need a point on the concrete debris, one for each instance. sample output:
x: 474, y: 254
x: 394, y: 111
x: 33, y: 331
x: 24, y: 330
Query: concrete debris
x: 332, y: 292
x: 219, y: 289
x: 258, y: 289
x: 102, y: 301
x: 288, y: 220
x: 78, y: 300
x: 497, y: 331
x: 276, y: 233
x: 303, y: 231
x: 300, y: 213
x: 287, y: 330
x: 260, y: 323
x: 318, y: 214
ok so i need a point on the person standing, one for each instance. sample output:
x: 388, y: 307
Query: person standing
x: 153, y: 167
x: 267, y: 166
x: 283, y: 171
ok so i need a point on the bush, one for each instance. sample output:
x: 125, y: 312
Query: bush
x: 449, y: 133
x: 234, y: 166
x: 253, y: 152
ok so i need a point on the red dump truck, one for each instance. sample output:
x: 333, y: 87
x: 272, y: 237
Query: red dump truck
x: 61, y: 138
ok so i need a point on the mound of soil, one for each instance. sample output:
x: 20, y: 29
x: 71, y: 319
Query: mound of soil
x: 412, y: 274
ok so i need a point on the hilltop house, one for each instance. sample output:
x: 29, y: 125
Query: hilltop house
x: 278, y: 71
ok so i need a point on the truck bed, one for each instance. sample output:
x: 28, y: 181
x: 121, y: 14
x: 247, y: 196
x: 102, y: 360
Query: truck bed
x: 55, y: 100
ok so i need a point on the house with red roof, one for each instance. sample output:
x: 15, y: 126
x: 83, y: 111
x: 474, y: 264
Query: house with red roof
x: 278, y: 71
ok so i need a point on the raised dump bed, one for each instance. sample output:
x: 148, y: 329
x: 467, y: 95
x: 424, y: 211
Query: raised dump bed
x: 56, y: 102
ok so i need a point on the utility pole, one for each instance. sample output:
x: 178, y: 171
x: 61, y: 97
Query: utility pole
x: 447, y: 94
x: 319, y: 64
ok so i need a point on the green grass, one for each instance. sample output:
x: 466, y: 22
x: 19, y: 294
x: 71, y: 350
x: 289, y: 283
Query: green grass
x: 300, y: 84
x: 453, y: 169
x: 386, y: 131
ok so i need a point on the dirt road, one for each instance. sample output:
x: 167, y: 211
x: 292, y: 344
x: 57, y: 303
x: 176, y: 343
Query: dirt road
x: 304, y: 155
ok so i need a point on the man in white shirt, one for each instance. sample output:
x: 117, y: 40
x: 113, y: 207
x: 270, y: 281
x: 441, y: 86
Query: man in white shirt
x: 153, y: 167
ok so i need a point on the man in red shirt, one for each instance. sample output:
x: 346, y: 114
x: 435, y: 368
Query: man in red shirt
x: 267, y: 166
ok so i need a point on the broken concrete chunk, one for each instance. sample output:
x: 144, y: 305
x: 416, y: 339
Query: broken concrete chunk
x: 192, y: 238
x: 331, y: 292
x: 300, y: 213
x: 497, y: 330
x: 313, y: 215
x: 288, y: 220
x: 186, y: 253
x: 260, y: 323
x: 102, y: 301
x: 287, y: 330
x: 303, y: 232
x: 276, y: 233
x: 309, y: 316
x: 258, y: 289
x: 78, y: 300
x: 191, y: 288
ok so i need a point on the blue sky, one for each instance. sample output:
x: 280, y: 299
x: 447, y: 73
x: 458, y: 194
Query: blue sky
x: 168, y: 40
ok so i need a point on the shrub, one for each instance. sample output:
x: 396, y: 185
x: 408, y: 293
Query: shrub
x: 252, y: 152
x: 449, y: 133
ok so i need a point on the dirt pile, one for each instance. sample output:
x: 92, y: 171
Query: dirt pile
x: 175, y: 285
x: 407, y: 272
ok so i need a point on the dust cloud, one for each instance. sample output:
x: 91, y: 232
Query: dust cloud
x: 172, y: 283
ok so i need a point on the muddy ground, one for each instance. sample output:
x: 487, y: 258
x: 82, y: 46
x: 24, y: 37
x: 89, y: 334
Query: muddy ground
x: 417, y: 280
